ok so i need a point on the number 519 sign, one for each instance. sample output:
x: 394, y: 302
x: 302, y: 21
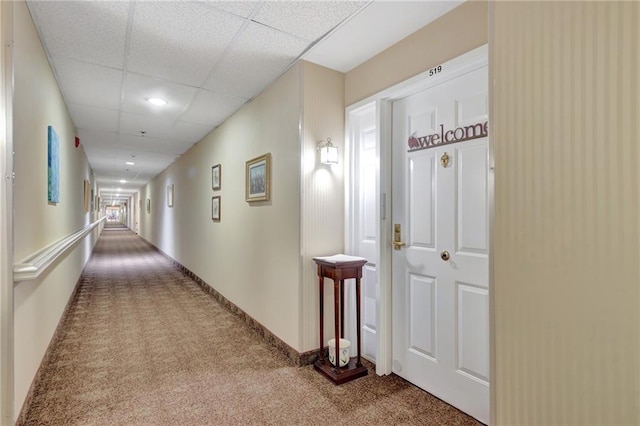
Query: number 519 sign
x: 435, y: 70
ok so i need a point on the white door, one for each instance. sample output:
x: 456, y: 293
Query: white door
x: 440, y: 276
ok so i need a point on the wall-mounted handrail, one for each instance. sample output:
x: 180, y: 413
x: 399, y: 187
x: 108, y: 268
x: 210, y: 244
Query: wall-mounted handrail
x: 34, y: 265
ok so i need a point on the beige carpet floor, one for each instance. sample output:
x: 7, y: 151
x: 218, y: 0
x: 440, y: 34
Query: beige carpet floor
x: 143, y: 344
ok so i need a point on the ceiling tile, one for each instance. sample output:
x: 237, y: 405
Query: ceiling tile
x: 97, y: 138
x: 188, y: 132
x: 110, y: 183
x: 309, y: 20
x: 103, y: 161
x: 133, y: 124
x: 150, y: 145
x: 212, y: 108
x: 109, y: 164
x: 88, y: 84
x: 137, y: 89
x: 103, y: 155
x: 240, y: 8
x: 126, y: 141
x: 259, y: 56
x: 86, y: 117
x: 375, y: 28
x: 144, y: 159
x: 180, y: 147
x: 179, y: 41
x: 91, y: 31
x: 147, y: 165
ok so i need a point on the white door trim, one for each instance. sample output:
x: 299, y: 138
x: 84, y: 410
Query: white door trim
x: 6, y: 218
x: 384, y: 237
x: 353, y: 216
x: 453, y: 68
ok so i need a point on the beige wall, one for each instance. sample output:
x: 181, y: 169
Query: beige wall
x: 252, y: 255
x: 457, y: 32
x: 259, y: 255
x: 38, y: 103
x: 322, y: 225
x: 566, y: 284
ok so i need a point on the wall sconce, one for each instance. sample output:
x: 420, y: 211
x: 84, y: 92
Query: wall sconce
x: 328, y: 152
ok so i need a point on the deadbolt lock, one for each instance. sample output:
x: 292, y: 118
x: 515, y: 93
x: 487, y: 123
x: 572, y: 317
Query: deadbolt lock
x: 445, y: 255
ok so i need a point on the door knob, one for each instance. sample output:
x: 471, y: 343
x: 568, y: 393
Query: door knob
x: 444, y: 255
x: 397, y: 245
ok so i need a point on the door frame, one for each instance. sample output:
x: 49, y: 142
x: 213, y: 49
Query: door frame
x: 451, y: 69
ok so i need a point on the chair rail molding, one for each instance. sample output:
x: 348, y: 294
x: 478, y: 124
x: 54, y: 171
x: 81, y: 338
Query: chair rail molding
x: 34, y: 265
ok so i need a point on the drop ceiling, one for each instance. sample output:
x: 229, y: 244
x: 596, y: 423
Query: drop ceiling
x: 205, y: 58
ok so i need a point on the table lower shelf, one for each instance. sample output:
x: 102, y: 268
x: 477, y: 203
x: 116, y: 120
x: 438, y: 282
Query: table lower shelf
x: 343, y: 374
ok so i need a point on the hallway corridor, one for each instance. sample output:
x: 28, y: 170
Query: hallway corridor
x: 142, y: 344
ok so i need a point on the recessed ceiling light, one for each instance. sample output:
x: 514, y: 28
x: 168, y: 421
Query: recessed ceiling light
x: 123, y: 181
x: 130, y: 163
x: 157, y: 101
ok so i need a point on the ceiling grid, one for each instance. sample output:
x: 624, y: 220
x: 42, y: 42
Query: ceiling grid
x: 205, y: 58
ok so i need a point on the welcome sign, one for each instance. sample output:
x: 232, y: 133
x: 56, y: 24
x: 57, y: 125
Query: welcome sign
x: 459, y: 134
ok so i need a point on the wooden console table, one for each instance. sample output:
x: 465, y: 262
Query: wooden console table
x: 339, y: 268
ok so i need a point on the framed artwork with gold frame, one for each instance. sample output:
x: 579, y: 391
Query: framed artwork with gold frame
x: 258, y: 179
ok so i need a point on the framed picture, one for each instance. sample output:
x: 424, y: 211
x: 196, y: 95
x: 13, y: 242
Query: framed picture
x: 258, y: 179
x: 170, y: 195
x: 215, y: 208
x: 148, y: 205
x: 53, y: 166
x: 216, y: 177
x: 87, y: 191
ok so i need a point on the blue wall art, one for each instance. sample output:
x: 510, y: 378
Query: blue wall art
x: 53, y: 165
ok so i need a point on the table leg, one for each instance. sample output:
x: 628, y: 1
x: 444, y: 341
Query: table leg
x: 358, y: 363
x: 336, y: 308
x: 341, y: 308
x: 321, y: 287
